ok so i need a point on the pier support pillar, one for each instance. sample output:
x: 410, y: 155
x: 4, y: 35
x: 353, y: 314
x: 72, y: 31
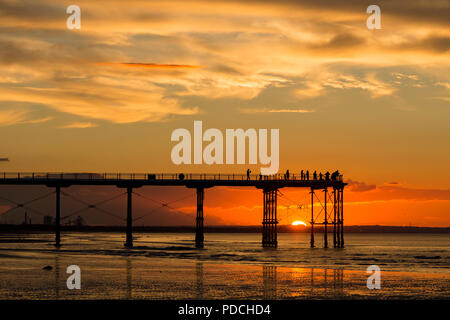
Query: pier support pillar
x: 199, y: 235
x: 269, y: 223
x: 58, y: 217
x: 325, y: 222
x: 338, y: 217
x: 129, y: 228
x: 341, y: 202
x: 312, y: 218
x: 334, y: 220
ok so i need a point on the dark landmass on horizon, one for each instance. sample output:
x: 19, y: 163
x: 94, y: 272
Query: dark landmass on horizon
x: 9, y: 228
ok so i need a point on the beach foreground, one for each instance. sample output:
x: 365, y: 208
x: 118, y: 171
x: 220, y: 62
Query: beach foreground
x: 147, y: 273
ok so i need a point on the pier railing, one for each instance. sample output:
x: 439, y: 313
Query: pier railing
x: 154, y: 176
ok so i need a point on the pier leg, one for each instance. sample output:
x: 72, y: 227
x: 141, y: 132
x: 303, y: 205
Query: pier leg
x: 334, y: 219
x: 58, y: 217
x: 199, y: 237
x: 312, y: 218
x: 342, y: 217
x: 325, y: 223
x: 269, y: 236
x: 338, y: 215
x: 129, y: 239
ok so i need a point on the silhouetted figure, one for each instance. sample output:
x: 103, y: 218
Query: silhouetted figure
x: 287, y: 175
x: 307, y: 174
x: 248, y: 174
x: 327, y: 176
x: 315, y: 175
x: 302, y: 175
x: 260, y: 177
x: 334, y: 175
x: 320, y: 176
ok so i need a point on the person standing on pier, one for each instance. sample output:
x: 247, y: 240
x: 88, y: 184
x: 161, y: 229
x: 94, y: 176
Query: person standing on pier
x: 287, y: 175
x: 302, y: 175
x: 315, y: 175
x: 307, y: 174
x: 248, y: 174
x: 327, y: 175
x: 335, y: 175
x: 320, y: 176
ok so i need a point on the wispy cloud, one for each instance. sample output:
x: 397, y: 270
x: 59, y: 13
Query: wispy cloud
x: 285, y: 110
x: 11, y: 117
x: 79, y: 125
x: 148, y: 65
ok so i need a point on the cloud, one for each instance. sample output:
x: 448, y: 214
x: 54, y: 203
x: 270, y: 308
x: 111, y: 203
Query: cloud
x: 268, y: 110
x: 149, y: 65
x: 79, y: 125
x: 225, y: 50
x: 357, y: 186
x: 9, y: 117
x: 342, y: 80
x: 339, y: 42
x: 370, y: 83
x: 362, y: 191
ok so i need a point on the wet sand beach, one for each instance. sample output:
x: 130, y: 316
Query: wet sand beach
x: 166, y: 267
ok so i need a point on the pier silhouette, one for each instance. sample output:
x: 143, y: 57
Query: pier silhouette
x: 333, y: 190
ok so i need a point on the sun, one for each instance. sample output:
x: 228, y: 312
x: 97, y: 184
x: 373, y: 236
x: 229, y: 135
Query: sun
x: 298, y: 223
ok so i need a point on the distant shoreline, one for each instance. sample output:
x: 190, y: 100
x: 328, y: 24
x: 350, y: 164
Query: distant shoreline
x: 6, y: 228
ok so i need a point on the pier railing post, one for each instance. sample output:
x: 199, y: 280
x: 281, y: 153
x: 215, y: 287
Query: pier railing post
x: 325, y: 223
x: 312, y: 218
x: 199, y: 235
x: 129, y: 238
x: 269, y: 236
x: 58, y: 217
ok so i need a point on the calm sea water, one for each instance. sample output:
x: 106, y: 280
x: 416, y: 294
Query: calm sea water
x: 395, y: 252
x: 167, y: 266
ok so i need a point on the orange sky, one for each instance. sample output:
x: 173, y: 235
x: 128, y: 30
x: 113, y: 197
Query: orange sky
x: 374, y: 104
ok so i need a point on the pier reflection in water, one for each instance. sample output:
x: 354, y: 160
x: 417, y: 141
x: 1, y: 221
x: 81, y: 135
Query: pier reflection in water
x: 199, y: 288
x: 200, y: 281
x: 326, y: 282
x: 270, y: 282
x: 129, y: 278
x: 310, y: 283
x: 57, y: 276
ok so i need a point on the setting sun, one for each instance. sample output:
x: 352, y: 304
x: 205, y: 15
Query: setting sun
x: 298, y: 223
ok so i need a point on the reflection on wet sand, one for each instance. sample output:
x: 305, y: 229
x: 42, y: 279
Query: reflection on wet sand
x: 138, y: 279
x: 320, y: 280
x: 57, y: 276
x: 129, y: 278
x: 270, y: 282
x: 199, y: 289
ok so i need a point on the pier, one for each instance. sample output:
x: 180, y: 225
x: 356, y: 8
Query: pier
x: 331, y: 191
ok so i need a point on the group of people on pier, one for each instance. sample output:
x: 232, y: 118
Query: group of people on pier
x: 305, y: 176
x: 327, y: 176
